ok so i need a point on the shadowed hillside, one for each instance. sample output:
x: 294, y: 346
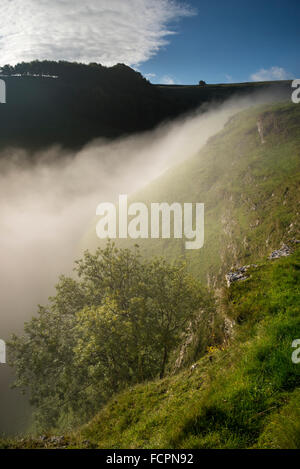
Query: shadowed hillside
x: 70, y: 104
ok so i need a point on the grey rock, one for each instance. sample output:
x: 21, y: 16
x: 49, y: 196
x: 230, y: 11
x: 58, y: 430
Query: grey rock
x: 282, y: 252
x: 260, y: 129
x: 228, y: 328
x: 239, y: 274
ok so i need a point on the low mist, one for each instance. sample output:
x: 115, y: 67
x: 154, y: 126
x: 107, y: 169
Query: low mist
x: 48, y: 199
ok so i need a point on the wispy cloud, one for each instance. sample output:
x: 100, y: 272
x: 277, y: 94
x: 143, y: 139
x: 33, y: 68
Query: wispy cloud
x: 273, y: 73
x: 167, y: 80
x: 105, y: 31
x: 228, y: 78
x: 149, y: 76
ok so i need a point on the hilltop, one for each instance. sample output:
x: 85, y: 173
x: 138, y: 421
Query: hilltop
x: 69, y: 104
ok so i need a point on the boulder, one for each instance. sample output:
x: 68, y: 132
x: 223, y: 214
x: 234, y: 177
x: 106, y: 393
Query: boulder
x: 282, y: 252
x: 239, y: 274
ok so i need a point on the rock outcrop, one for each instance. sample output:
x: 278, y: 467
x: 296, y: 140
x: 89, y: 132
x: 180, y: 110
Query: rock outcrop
x: 239, y: 274
x: 282, y: 252
x: 260, y: 129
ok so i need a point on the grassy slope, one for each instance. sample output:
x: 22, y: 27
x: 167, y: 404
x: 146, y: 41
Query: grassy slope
x: 250, y: 192
x: 233, y: 399
x: 244, y: 396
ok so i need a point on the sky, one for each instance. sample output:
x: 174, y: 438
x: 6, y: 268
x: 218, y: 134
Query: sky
x: 168, y: 41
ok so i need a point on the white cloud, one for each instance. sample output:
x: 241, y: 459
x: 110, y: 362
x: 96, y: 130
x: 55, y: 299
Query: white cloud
x: 105, y: 31
x: 273, y: 73
x: 149, y: 75
x: 167, y: 80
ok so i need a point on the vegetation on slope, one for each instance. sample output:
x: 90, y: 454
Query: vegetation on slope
x: 250, y: 191
x: 115, y: 324
x: 243, y: 395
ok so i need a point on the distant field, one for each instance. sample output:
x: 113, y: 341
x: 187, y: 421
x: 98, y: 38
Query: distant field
x: 230, y: 85
x: 188, y: 97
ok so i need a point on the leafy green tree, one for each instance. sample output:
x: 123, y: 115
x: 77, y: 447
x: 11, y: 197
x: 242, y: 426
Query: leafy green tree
x: 114, y: 325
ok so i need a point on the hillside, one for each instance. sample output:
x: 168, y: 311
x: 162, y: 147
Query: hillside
x: 187, y: 97
x: 249, y: 183
x: 70, y: 103
x: 244, y: 394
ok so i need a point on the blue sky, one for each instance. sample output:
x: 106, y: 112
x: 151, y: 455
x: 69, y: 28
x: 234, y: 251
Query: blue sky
x: 231, y: 41
x: 176, y: 41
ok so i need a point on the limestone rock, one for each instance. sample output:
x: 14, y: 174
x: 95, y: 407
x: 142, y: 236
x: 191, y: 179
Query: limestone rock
x: 239, y: 274
x: 282, y: 252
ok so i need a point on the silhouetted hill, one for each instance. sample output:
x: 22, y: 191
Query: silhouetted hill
x: 71, y: 104
x: 187, y: 97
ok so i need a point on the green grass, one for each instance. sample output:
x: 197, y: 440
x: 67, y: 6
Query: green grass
x: 234, y: 399
x: 282, y: 430
x: 244, y: 396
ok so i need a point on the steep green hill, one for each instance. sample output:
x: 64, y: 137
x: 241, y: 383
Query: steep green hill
x: 244, y: 394
x: 239, y: 396
x: 249, y: 184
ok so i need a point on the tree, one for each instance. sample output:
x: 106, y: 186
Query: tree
x: 114, y: 325
x: 202, y: 83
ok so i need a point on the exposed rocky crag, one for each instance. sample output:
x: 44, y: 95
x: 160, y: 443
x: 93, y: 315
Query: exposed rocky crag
x: 239, y: 274
x: 282, y: 252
